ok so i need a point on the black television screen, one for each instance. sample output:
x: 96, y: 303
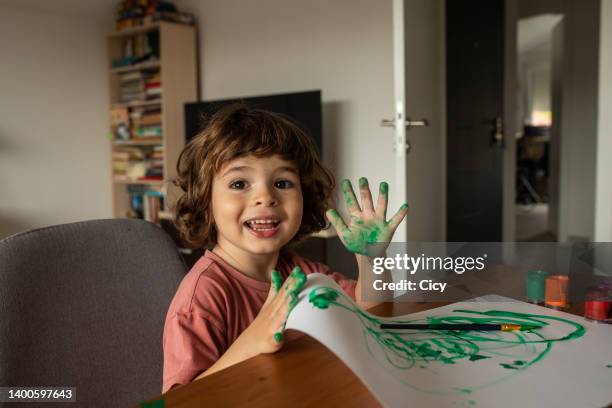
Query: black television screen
x: 303, y: 107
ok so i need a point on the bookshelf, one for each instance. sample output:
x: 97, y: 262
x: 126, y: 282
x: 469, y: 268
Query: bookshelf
x: 152, y: 73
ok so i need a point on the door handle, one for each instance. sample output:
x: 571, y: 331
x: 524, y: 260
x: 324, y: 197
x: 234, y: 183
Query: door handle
x: 498, y: 132
x: 409, y: 123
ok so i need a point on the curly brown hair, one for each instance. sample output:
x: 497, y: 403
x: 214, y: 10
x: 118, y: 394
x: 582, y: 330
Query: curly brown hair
x: 238, y: 130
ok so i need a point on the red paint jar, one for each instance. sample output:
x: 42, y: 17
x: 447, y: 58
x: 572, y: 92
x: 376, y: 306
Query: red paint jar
x: 598, y: 304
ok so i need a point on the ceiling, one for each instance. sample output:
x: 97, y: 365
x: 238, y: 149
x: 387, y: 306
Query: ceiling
x: 534, y: 32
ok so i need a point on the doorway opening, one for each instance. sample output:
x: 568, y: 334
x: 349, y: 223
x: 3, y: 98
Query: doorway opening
x: 539, y: 48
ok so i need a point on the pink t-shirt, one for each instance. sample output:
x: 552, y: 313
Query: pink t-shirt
x: 212, y: 306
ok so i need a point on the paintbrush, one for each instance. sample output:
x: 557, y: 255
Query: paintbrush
x: 461, y: 327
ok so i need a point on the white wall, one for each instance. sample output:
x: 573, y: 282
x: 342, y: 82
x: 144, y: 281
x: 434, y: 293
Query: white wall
x: 603, y: 204
x: 579, y: 120
x: 343, y: 47
x: 54, y: 152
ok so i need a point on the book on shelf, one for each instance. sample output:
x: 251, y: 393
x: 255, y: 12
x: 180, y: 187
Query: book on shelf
x: 130, y: 13
x: 130, y: 164
x: 148, y: 131
x: 145, y: 202
x: 138, y: 48
x: 139, y: 86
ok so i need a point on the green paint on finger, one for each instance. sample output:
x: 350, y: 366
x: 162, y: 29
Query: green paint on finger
x: 277, y: 281
x: 363, y: 182
x: 349, y: 195
x: 404, y: 207
x: 384, y: 188
x: 278, y: 337
x: 300, y: 279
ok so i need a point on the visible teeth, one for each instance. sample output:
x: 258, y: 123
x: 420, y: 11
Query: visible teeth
x: 269, y: 224
x: 262, y: 221
x: 262, y: 229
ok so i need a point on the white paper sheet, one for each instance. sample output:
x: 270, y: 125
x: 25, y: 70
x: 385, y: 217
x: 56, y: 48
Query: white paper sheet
x: 566, y: 363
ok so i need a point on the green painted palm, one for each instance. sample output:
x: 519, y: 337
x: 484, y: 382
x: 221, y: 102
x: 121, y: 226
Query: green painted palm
x: 367, y: 232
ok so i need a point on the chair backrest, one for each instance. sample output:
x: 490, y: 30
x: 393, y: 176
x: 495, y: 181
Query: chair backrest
x: 84, y: 305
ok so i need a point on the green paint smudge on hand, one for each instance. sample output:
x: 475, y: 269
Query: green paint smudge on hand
x: 277, y: 281
x: 348, y: 193
x: 384, y: 188
x: 278, y: 337
x: 363, y: 182
x: 299, y: 276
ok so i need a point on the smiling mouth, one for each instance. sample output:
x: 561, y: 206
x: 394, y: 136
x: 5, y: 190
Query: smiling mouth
x: 262, y: 225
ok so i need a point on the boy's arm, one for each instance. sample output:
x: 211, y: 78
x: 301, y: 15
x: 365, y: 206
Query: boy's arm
x: 264, y: 334
x: 242, y: 349
x: 366, y: 279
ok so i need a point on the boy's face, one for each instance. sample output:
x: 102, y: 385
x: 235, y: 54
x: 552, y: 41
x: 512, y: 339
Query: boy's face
x: 257, y: 204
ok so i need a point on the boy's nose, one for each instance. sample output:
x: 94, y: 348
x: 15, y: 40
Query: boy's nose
x: 266, y: 198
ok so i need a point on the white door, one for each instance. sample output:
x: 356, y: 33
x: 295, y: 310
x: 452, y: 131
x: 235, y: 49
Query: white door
x: 419, y: 88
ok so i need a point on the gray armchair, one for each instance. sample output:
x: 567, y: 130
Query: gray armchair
x: 83, y: 305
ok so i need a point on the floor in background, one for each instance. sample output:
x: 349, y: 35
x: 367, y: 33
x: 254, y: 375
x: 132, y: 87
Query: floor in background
x: 532, y: 223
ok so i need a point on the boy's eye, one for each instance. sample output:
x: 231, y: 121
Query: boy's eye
x: 283, y: 184
x: 238, y: 185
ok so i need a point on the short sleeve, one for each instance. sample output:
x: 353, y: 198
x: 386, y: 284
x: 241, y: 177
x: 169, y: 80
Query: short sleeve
x: 192, y: 343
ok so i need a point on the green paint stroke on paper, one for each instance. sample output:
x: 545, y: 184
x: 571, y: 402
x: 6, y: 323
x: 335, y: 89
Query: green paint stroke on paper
x: 404, y: 349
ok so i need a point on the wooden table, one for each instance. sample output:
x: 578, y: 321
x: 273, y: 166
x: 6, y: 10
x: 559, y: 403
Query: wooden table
x: 303, y: 373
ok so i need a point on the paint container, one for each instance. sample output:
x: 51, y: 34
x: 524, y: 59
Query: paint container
x: 535, y: 287
x: 598, y: 304
x: 606, y: 284
x: 556, y: 292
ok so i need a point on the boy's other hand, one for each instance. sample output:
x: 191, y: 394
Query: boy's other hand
x: 367, y: 232
x: 266, y: 330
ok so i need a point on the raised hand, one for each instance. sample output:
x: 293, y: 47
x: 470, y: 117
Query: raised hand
x: 367, y: 232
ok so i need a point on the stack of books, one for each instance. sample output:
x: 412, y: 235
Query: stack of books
x: 124, y: 160
x: 135, y: 85
x: 146, y: 122
x: 155, y: 164
x: 132, y: 13
x: 153, y: 88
